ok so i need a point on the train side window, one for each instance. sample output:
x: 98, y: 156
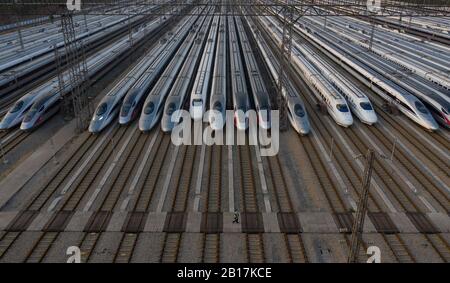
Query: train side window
x: 17, y: 106
x: 102, y: 109
x: 42, y: 108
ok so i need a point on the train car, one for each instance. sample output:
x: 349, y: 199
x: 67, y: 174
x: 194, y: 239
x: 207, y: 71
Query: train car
x: 202, y: 80
x: 95, y: 63
x: 322, y: 89
x: 407, y: 103
x: 259, y: 91
x: 134, y: 98
x: 297, y: 115
x: 241, y: 102
x: 154, y: 103
x: 42, y: 109
x: 183, y: 83
x: 109, y: 107
x: 218, y: 98
x: 358, y: 102
x: 16, y: 113
x: 439, y: 108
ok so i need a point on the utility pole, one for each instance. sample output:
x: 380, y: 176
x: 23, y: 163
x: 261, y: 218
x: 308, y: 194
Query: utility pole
x: 78, y: 103
x: 286, y: 50
x: 358, y: 224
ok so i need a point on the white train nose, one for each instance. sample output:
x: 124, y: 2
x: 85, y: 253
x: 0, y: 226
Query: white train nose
x: 346, y: 120
x: 371, y: 118
x: 26, y: 126
x: 124, y: 120
x: 432, y: 125
x: 8, y: 122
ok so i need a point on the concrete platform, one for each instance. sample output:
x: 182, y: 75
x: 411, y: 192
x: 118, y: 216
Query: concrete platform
x: 78, y: 221
x: 6, y: 218
x: 40, y: 221
x: 116, y: 222
x: 21, y: 247
x: 271, y: 224
x: 106, y: 247
x: 317, y: 222
x: 58, y: 250
x: 441, y: 221
x: 148, y: 248
x: 191, y: 248
x: 228, y: 225
x: 155, y: 222
x: 24, y: 171
x: 194, y: 221
x: 232, y: 248
x: 403, y: 223
x: 275, y: 248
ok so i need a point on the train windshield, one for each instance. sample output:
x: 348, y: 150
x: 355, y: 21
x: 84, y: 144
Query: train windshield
x: 366, y: 106
x: 102, y: 109
x: 170, y: 109
x: 422, y: 109
x: 126, y: 108
x: 149, y: 108
x: 30, y: 115
x: 299, y: 111
x: 217, y: 106
x: 197, y: 102
x: 17, y: 106
x: 342, y: 107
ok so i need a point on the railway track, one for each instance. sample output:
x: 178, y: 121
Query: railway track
x: 294, y: 242
x: 396, y: 244
x: 249, y: 202
x: 435, y: 187
x: 11, y: 139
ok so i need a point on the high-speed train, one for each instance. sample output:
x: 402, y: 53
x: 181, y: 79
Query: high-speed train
x: 259, y: 91
x: 182, y: 84
x: 203, y: 78
x: 134, y: 98
x: 154, y: 103
x: 218, y: 98
x: 42, y: 109
x: 94, y: 63
x: 297, y: 114
x: 323, y: 90
x: 110, y: 105
x: 438, y: 106
x: 408, y: 104
x: 239, y: 93
x: 358, y: 102
x: 16, y: 113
